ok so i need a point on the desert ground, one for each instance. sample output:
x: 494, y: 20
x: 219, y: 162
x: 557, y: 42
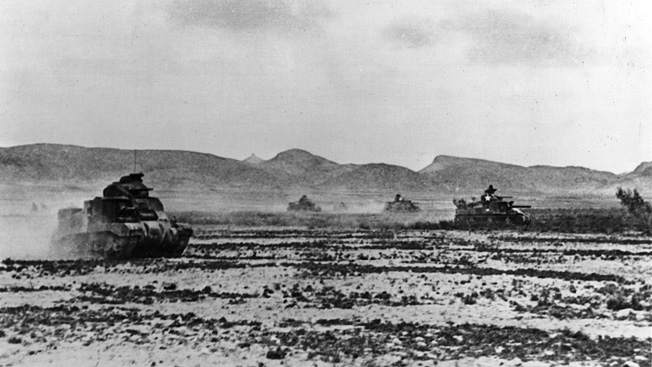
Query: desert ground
x: 299, y: 296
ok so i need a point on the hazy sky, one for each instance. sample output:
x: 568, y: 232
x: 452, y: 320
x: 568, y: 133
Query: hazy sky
x: 549, y: 82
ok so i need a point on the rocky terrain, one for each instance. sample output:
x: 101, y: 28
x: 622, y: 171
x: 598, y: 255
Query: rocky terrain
x: 292, y: 296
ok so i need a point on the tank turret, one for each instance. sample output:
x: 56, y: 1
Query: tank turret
x: 126, y: 222
x: 490, y: 209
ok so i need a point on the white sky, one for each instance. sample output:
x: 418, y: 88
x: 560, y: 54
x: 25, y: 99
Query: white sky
x: 526, y: 82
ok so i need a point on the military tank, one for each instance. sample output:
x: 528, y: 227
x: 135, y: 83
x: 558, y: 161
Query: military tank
x: 341, y: 207
x: 124, y: 223
x: 304, y: 204
x: 401, y: 205
x: 490, y: 209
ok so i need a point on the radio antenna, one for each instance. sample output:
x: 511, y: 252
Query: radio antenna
x: 134, y: 161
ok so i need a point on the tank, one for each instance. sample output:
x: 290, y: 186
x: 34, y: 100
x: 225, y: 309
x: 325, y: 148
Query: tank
x: 401, y: 205
x: 304, y: 204
x: 341, y: 207
x: 124, y: 223
x: 490, y: 209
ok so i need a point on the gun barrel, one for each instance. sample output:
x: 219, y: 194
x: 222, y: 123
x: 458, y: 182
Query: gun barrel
x: 521, y: 206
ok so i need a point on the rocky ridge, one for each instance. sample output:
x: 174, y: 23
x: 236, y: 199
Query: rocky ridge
x: 300, y: 169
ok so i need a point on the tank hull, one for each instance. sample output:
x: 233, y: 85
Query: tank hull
x: 405, y: 206
x: 296, y: 207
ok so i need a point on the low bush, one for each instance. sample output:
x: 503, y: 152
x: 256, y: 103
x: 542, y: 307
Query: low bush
x: 639, y: 210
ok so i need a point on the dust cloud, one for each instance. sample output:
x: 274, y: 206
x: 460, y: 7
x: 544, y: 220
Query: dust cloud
x: 25, y: 237
x: 28, y: 219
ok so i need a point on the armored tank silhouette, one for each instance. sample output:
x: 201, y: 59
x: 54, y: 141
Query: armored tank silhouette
x: 304, y: 204
x: 341, y: 207
x: 124, y: 223
x: 490, y: 209
x: 401, y: 205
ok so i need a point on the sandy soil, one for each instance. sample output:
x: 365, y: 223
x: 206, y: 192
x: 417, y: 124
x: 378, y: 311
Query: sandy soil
x: 296, y: 297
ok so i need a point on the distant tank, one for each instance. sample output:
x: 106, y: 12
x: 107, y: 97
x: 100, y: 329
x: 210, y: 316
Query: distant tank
x: 124, y: 223
x: 304, y: 204
x: 341, y: 207
x: 490, y: 209
x: 401, y: 205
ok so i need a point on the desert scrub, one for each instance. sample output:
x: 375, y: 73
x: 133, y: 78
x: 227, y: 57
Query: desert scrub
x: 638, y: 209
x: 620, y: 297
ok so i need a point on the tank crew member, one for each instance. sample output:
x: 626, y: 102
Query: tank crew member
x: 398, y: 197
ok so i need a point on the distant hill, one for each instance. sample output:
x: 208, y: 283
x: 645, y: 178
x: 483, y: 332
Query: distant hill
x: 574, y: 178
x: 299, y: 170
x: 644, y: 169
x: 253, y: 159
x: 299, y: 167
x: 467, y: 174
x: 640, y: 178
x: 165, y: 168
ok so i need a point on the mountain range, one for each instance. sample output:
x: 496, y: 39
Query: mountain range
x: 297, y: 169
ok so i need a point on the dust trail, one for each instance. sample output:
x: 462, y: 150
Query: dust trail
x: 27, y: 222
x: 26, y: 236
